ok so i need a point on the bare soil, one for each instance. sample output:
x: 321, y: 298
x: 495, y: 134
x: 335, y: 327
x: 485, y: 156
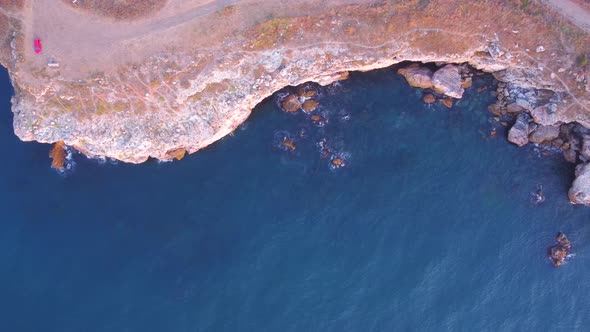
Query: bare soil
x: 118, y: 9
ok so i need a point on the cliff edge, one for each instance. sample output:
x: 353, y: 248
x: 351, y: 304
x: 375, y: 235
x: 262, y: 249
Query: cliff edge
x: 148, y: 78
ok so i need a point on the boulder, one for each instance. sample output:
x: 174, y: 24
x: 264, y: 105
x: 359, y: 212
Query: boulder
x: 447, y: 80
x: 417, y: 76
x: 570, y: 156
x: 585, y: 150
x: 519, y: 133
x: 544, y: 133
x: 545, y: 115
x: 579, y: 192
x: 514, y: 108
x: 291, y: 103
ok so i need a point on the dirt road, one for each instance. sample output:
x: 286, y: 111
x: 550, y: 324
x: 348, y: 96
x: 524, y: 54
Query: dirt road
x: 82, y: 42
x: 574, y: 12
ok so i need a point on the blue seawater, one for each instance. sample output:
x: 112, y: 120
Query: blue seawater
x: 429, y: 227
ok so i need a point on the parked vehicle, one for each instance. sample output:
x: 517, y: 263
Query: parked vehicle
x: 38, y: 46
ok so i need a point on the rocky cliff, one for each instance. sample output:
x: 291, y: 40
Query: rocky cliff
x: 183, y: 77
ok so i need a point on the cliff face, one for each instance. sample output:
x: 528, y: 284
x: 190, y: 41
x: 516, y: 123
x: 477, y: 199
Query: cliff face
x: 184, y: 77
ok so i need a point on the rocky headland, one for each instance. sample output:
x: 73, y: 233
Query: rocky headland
x: 183, y: 75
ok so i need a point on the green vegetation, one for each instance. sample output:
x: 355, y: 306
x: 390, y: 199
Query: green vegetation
x: 582, y: 60
x: 524, y: 4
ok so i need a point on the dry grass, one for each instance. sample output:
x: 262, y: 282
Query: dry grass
x: 12, y: 4
x: 119, y: 9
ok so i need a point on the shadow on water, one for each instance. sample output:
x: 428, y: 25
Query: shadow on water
x: 429, y: 226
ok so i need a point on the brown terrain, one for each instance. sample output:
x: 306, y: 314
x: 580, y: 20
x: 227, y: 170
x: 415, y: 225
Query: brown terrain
x: 132, y: 80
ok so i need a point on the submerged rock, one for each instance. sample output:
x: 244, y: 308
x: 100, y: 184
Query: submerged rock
x: 417, y: 76
x: 447, y: 81
x: 544, y: 133
x: 429, y: 98
x: 579, y: 192
x: 559, y: 252
x: 310, y: 105
x: 519, y: 133
x: 467, y: 83
x: 448, y: 102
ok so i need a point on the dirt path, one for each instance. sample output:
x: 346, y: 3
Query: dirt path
x: 574, y: 12
x: 79, y: 40
x: 83, y: 43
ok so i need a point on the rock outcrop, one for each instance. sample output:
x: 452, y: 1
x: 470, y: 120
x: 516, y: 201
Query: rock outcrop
x: 519, y: 133
x: 58, y: 156
x: 560, y: 252
x: 544, y: 133
x: 140, y: 90
x: 579, y: 192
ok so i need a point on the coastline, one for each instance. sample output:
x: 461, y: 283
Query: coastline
x: 187, y: 98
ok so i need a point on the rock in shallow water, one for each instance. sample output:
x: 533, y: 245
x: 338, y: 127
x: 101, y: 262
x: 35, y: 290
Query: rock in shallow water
x: 447, y: 81
x: 519, y: 133
x: 417, y: 76
x: 559, y: 252
x: 291, y: 103
x: 429, y: 98
x: 58, y: 155
x: 579, y: 192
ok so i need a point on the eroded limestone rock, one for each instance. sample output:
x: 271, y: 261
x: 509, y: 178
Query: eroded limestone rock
x: 579, y: 192
x: 544, y: 133
x: 58, y: 155
x: 417, y: 76
x: 559, y: 252
x: 545, y: 115
x: 519, y: 133
x: 447, y: 80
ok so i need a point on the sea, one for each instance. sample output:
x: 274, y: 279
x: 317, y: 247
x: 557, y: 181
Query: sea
x: 430, y: 224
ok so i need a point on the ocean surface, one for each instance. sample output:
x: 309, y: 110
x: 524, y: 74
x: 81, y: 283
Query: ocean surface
x: 430, y: 226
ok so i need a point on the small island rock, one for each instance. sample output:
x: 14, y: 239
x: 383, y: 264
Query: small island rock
x: 559, y: 252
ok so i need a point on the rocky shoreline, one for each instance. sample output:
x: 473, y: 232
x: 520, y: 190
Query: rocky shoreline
x: 175, y: 98
x: 530, y: 113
